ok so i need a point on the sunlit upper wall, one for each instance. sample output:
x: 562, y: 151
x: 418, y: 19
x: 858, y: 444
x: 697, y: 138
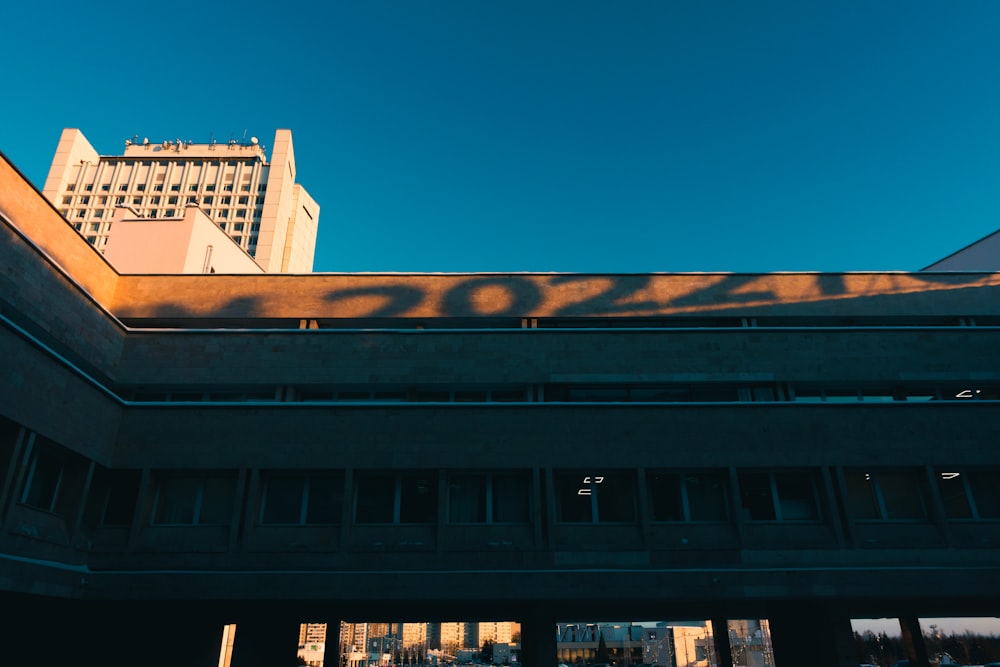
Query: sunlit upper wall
x: 321, y: 296
x: 557, y: 295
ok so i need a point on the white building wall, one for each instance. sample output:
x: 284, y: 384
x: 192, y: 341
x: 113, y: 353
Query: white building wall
x: 191, y: 244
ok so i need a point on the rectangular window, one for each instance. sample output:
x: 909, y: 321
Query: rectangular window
x: 488, y: 498
x: 113, y: 497
x: 141, y: 187
x: 194, y: 500
x: 175, y: 188
x: 785, y: 496
x: 207, y: 201
x: 210, y: 188
x: 172, y: 201
x: 971, y: 494
x: 689, y: 496
x: 408, y: 498
x: 595, y: 498
x: 193, y: 188
x: 244, y: 200
x: 884, y: 495
x: 67, y: 200
x: 45, y: 478
x: 54, y: 480
x: 302, y: 499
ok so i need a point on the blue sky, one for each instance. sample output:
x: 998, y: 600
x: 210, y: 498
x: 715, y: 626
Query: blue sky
x: 479, y: 135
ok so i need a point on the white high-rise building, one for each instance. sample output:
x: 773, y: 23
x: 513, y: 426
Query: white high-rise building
x: 255, y: 201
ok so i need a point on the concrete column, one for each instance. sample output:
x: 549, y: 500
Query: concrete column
x: 538, y: 637
x: 720, y: 642
x: 166, y: 634
x: 809, y: 633
x: 913, y: 641
x: 266, y: 640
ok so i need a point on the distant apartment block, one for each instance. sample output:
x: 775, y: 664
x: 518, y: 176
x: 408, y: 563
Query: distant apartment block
x: 255, y: 201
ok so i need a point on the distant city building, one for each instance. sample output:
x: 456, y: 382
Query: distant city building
x: 255, y: 201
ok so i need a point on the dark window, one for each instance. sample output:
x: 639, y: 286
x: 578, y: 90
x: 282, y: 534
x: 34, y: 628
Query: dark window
x: 113, y: 497
x: 688, y: 496
x: 884, y: 494
x: 55, y: 479
x: 404, y: 498
x: 302, y: 499
x: 785, y: 496
x: 595, y: 498
x: 488, y: 498
x: 971, y: 494
x: 185, y: 500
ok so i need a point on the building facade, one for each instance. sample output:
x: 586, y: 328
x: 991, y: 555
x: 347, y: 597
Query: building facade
x: 267, y: 450
x: 255, y: 201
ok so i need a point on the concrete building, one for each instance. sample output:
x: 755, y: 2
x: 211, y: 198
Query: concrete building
x: 537, y: 448
x: 256, y: 201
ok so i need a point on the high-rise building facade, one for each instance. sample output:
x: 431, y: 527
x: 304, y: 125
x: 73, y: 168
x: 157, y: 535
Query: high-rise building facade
x: 256, y: 201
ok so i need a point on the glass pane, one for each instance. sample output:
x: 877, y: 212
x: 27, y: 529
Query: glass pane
x: 44, y: 482
x: 217, y: 502
x: 986, y: 492
x: 615, y: 498
x: 956, y: 502
x: 325, y: 500
x: 283, y: 500
x: 665, y: 497
x: 176, y: 501
x: 467, y: 499
x: 755, y: 496
x: 573, y: 497
x: 862, y: 503
x: 511, y: 498
x: 797, y: 496
x: 418, y: 499
x: 901, y: 493
x: 123, y: 493
x: 706, y: 496
x: 375, y: 499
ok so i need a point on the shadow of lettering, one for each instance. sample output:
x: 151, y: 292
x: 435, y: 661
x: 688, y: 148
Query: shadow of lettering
x: 390, y: 300
x: 522, y: 297
x: 723, y: 293
x: 614, y: 298
x: 831, y: 284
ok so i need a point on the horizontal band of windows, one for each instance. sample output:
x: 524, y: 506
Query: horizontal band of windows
x: 705, y: 392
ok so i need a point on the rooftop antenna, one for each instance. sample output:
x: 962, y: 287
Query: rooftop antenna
x: 244, y: 141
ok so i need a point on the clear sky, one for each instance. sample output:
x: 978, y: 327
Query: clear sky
x: 510, y: 135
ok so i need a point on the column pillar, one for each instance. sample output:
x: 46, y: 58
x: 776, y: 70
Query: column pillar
x: 266, y: 640
x: 167, y: 634
x: 809, y: 633
x: 720, y: 642
x: 913, y: 641
x: 538, y: 637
